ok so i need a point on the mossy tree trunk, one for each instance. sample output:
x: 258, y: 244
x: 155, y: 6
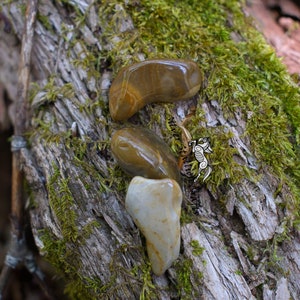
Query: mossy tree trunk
x: 239, y: 230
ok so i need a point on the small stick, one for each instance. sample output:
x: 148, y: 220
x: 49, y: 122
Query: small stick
x: 22, y: 119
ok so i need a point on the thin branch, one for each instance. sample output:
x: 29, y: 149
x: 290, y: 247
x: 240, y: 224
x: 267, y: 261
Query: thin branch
x: 22, y: 118
x: 22, y: 110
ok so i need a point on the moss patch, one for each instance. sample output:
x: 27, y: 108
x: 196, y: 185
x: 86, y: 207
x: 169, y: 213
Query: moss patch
x: 63, y: 253
x: 64, y: 258
x: 186, y: 278
x: 197, y: 249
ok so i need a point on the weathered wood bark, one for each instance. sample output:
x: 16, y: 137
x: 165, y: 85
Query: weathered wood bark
x: 77, y: 195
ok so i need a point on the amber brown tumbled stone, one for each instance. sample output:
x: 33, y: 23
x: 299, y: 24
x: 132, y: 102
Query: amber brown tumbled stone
x: 140, y: 152
x: 156, y: 80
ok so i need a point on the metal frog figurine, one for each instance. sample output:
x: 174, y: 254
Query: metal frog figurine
x: 199, y: 149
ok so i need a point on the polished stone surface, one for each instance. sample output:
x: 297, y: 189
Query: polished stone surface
x: 156, y: 80
x: 140, y: 152
x: 155, y: 206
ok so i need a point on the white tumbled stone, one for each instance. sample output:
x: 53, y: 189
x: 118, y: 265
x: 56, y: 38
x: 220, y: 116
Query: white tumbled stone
x: 155, y: 206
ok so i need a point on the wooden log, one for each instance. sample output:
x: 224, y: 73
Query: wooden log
x: 238, y: 238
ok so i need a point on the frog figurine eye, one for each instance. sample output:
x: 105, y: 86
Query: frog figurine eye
x: 156, y: 80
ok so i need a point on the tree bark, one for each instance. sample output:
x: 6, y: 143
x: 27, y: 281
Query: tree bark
x: 76, y: 193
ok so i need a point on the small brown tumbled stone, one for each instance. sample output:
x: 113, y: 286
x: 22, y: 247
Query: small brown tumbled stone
x: 140, y: 152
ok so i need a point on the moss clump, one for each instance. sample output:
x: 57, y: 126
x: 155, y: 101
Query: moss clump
x: 61, y: 202
x: 197, y: 249
x: 148, y: 289
x: 52, y: 92
x: 45, y: 21
x: 185, y: 277
x: 226, y: 169
x: 187, y: 216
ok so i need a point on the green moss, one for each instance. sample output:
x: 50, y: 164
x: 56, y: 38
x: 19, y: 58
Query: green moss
x: 61, y: 202
x: 225, y: 169
x: 186, y: 216
x: 238, y: 272
x: 252, y: 253
x: 45, y: 21
x: 96, y: 285
x: 87, y: 229
x: 64, y: 258
x: 148, y: 288
x: 185, y: 277
x: 81, y: 289
x: 80, y: 148
x: 88, y: 62
x: 62, y: 251
x: 53, y: 92
x: 197, y: 249
x: 119, y: 181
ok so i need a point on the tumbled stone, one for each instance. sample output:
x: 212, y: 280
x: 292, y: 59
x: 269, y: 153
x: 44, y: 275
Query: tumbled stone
x: 140, y: 152
x: 153, y: 80
x: 155, y: 206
